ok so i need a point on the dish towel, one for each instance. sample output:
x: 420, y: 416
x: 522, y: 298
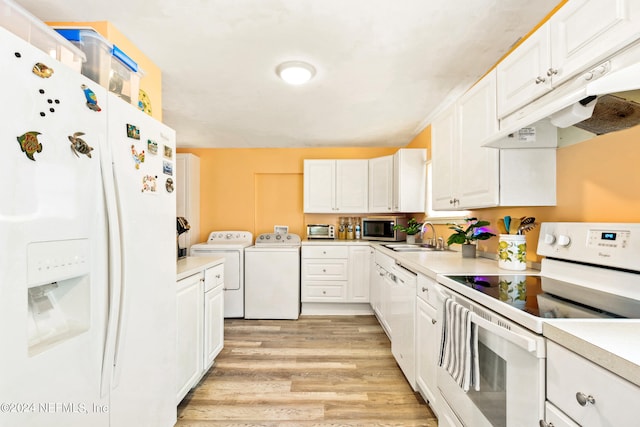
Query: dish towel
x: 459, y: 346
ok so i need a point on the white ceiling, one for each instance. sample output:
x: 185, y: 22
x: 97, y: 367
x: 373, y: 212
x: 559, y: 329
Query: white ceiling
x: 383, y: 66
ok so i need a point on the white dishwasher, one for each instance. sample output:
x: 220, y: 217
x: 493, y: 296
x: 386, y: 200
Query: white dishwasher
x: 272, y: 277
x: 402, y: 319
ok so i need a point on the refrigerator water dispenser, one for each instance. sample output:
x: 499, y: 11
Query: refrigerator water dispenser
x: 58, y: 293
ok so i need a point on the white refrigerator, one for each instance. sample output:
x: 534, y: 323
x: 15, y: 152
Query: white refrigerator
x: 87, y: 251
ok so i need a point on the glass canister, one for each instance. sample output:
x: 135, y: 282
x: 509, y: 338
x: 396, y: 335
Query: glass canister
x: 342, y: 228
x: 512, y: 252
x: 351, y: 232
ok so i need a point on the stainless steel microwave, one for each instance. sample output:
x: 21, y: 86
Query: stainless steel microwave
x: 381, y: 228
x: 321, y: 231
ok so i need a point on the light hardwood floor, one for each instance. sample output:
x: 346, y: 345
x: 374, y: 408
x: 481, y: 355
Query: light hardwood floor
x: 316, y: 371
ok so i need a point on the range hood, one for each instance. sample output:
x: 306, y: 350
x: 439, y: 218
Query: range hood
x: 603, y: 99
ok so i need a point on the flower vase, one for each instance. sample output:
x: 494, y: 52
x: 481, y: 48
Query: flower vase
x: 411, y: 239
x: 468, y: 250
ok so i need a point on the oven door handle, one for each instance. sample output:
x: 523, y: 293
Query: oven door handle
x: 521, y: 341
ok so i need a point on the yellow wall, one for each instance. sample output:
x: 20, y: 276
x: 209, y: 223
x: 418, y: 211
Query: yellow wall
x: 255, y: 189
x: 151, y: 82
x: 597, y: 181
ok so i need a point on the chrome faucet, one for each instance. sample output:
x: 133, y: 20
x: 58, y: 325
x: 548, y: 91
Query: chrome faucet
x: 433, y: 241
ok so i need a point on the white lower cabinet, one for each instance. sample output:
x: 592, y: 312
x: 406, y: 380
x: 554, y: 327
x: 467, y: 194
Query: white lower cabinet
x: 427, y: 343
x: 587, y: 393
x: 335, y: 274
x: 213, y: 314
x: 200, y: 325
x: 554, y: 417
x: 189, y: 309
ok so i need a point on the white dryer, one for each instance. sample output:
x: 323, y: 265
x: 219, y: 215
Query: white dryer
x: 272, y: 277
x: 231, y: 245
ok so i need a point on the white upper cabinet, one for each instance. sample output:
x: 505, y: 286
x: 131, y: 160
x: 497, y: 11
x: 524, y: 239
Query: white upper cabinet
x: 522, y: 76
x: 466, y: 175
x: 381, y: 184
x: 586, y: 31
x: 409, y: 180
x: 445, y: 146
x: 576, y: 38
x: 336, y: 186
x: 478, y: 178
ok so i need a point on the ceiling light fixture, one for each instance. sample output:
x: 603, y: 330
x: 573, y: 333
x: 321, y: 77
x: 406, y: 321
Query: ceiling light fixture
x: 295, y: 72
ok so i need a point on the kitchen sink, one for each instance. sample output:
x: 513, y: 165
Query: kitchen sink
x: 412, y: 247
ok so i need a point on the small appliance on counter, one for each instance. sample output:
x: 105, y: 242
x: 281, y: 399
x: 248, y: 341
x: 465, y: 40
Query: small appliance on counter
x: 321, y: 231
x: 182, y: 227
x: 382, y: 228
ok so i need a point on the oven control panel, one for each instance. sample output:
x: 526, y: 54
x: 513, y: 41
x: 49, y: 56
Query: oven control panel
x: 607, y: 244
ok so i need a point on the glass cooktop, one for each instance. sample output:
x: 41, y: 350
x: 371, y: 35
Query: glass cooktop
x: 527, y: 293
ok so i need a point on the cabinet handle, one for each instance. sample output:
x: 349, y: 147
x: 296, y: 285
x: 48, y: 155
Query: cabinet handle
x: 424, y: 289
x: 584, y: 400
x: 217, y: 276
x: 324, y: 292
x: 543, y: 423
x: 434, y: 321
x: 324, y: 271
x: 540, y: 80
x: 552, y: 72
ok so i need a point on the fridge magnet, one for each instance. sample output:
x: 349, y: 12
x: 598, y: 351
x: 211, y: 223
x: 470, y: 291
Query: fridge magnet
x: 29, y: 144
x: 92, y: 99
x: 133, y: 131
x: 168, y: 152
x: 168, y: 184
x: 144, y: 103
x: 137, y: 157
x: 42, y: 70
x: 167, y: 168
x: 78, y: 145
x: 152, y: 147
x: 149, y: 184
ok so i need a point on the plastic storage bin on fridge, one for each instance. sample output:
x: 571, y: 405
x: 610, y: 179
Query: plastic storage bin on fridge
x: 26, y: 26
x: 106, y: 64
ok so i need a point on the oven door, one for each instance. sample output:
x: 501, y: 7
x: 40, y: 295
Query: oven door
x: 512, y: 381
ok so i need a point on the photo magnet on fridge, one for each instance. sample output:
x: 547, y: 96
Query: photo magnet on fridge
x: 149, y: 184
x: 29, y: 144
x: 169, y: 185
x: 167, y: 168
x: 168, y: 152
x: 133, y: 131
x: 152, y: 147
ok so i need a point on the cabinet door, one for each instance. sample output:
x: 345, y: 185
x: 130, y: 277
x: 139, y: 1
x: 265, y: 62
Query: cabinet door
x: 358, y: 283
x: 427, y: 351
x: 381, y: 184
x: 409, y: 180
x: 522, y: 76
x: 189, y: 313
x: 444, y: 160
x: 374, y: 284
x: 584, y: 32
x: 319, y: 186
x: 213, y: 325
x: 479, y: 172
x: 352, y: 186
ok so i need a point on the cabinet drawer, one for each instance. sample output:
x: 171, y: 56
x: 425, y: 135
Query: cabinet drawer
x: 554, y: 416
x: 324, y: 269
x: 614, y: 399
x: 213, y: 277
x: 323, y: 291
x: 325, y: 252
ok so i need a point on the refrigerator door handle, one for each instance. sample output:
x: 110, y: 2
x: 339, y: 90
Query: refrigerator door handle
x: 115, y: 268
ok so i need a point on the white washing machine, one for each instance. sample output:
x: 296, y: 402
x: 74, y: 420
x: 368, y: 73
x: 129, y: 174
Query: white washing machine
x: 272, y: 277
x: 231, y: 245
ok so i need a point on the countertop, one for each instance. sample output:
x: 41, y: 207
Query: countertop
x: 613, y: 344
x: 194, y: 264
x: 333, y: 242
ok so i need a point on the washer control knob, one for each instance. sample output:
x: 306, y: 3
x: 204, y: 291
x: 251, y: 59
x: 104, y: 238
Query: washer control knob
x: 549, y: 239
x: 278, y: 237
x: 268, y: 236
x: 563, y: 240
